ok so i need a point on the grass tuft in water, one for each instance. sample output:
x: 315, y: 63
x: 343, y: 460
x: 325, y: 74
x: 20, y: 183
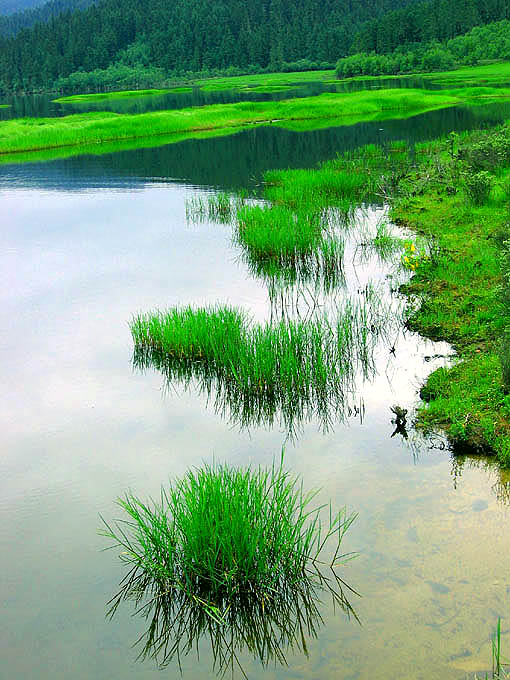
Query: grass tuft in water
x: 298, y: 240
x: 317, y: 188
x: 220, y: 533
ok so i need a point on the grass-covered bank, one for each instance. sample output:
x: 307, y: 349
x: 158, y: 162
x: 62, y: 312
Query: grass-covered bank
x: 455, y: 194
x: 458, y: 197
x: 38, y: 134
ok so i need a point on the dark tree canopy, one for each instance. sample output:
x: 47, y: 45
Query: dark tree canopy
x: 423, y: 22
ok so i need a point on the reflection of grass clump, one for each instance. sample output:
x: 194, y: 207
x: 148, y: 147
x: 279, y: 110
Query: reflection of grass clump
x: 266, y: 629
x: 221, y: 207
x: 385, y: 243
x: 220, y: 532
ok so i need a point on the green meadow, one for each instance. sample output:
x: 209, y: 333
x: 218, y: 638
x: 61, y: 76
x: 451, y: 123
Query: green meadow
x: 489, y: 74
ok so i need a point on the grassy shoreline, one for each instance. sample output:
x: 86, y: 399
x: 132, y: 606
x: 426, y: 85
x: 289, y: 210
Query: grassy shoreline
x: 461, y: 288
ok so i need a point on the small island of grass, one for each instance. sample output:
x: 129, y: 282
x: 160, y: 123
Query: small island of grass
x: 272, y: 539
x: 121, y: 94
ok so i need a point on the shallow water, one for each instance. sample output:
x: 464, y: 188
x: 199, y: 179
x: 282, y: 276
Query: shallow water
x: 90, y: 241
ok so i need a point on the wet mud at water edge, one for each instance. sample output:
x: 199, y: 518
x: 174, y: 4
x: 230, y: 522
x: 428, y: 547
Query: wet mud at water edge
x: 81, y: 426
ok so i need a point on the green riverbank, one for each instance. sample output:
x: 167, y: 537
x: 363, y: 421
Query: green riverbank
x: 454, y: 194
x: 458, y: 198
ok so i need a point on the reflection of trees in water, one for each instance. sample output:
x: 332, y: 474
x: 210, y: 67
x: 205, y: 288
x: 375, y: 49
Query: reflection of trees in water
x: 267, y: 629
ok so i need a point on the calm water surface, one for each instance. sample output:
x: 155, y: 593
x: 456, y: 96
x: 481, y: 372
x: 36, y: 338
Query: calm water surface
x: 43, y: 105
x: 88, y: 242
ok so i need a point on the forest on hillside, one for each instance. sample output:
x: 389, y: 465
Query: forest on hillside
x: 427, y: 20
x: 126, y: 43
x: 482, y: 43
x: 181, y: 35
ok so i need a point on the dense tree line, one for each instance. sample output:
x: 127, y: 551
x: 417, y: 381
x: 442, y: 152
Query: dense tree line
x: 427, y: 20
x: 422, y: 58
x: 481, y: 43
x: 182, y: 35
x: 12, y: 24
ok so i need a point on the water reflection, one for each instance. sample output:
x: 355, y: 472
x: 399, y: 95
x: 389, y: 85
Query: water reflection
x: 500, y: 477
x: 239, y: 161
x: 266, y: 629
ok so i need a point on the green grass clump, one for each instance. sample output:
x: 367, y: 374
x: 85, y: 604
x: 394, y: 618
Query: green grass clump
x: 222, y: 532
x: 236, y: 556
x: 317, y: 188
x: 285, y: 246
x: 278, y: 233
x: 288, y: 369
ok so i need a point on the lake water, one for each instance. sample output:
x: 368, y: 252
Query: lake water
x: 43, y: 105
x: 89, y: 241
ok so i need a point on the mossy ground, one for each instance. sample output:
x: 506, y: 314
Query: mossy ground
x: 460, y: 301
